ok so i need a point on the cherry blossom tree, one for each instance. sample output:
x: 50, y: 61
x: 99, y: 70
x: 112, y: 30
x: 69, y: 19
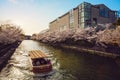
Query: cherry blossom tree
x: 111, y: 36
x: 100, y: 34
x: 10, y: 33
x: 54, y: 37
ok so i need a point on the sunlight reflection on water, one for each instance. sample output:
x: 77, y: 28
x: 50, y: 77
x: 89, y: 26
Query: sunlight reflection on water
x: 67, y: 65
x: 18, y: 67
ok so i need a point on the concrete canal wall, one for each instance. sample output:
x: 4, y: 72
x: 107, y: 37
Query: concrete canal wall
x: 114, y: 56
x: 113, y: 53
x: 6, y: 52
x: 90, y: 51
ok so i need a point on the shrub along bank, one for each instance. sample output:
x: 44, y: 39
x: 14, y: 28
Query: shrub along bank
x: 103, y: 38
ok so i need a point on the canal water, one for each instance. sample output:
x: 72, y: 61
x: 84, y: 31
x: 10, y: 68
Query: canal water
x: 67, y: 65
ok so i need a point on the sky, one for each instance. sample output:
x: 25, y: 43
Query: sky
x: 33, y: 16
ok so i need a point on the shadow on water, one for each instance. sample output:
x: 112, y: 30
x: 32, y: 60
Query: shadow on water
x: 82, y: 66
x: 67, y: 65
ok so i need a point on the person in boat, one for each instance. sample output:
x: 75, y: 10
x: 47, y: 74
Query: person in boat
x: 43, y: 61
x: 38, y: 63
x: 34, y: 62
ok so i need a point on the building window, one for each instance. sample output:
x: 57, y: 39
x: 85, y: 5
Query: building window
x: 104, y: 12
x: 84, y: 14
x: 82, y: 19
x: 71, y: 18
x: 94, y: 21
x: 87, y: 22
x: 82, y: 25
x: 63, y: 28
x: 82, y: 5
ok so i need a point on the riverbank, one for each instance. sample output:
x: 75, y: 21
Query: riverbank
x: 89, y: 67
x: 6, y: 52
x: 100, y: 51
x: 90, y: 51
x: 91, y: 40
x: 110, y: 51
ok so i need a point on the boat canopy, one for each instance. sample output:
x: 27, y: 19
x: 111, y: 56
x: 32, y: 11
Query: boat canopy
x: 35, y: 54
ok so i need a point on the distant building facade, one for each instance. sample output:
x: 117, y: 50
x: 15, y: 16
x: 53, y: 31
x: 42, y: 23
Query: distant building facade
x: 83, y: 16
x: 27, y: 37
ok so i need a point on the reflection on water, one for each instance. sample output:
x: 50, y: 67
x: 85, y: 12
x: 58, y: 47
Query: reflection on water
x: 67, y: 65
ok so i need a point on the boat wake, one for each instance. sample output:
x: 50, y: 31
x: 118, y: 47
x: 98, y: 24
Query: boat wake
x: 45, y: 74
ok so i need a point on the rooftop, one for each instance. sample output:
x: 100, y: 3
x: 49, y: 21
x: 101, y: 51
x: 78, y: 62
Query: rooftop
x: 34, y: 54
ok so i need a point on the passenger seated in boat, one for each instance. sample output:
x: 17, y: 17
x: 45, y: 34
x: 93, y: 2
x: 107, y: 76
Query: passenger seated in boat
x: 42, y: 61
x: 48, y: 61
x: 38, y: 63
x: 34, y: 62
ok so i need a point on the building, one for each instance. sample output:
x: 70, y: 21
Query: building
x: 27, y: 37
x: 44, y: 31
x: 83, y: 16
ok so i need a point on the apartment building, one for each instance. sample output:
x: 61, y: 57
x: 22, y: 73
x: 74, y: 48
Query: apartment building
x: 83, y: 16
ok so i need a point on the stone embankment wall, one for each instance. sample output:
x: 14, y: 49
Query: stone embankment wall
x: 111, y: 55
x: 6, y: 52
x: 90, y: 51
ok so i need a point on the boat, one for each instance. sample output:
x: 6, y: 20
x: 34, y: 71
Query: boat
x: 39, y: 62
